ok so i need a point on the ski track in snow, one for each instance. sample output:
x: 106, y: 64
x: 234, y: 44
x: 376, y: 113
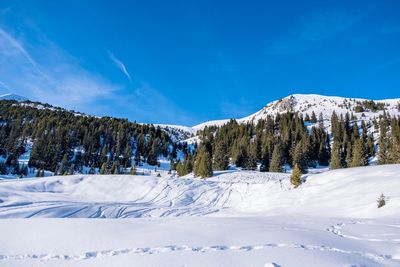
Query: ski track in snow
x: 165, y: 196
x: 338, y: 229
x: 196, y: 249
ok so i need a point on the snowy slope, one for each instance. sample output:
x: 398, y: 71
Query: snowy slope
x: 287, y: 241
x: 306, y: 104
x: 332, y: 193
x: 236, y: 218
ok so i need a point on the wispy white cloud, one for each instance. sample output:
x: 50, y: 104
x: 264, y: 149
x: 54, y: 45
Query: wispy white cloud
x: 10, y: 44
x: 57, y: 78
x: 2, y: 84
x: 49, y: 74
x: 119, y: 64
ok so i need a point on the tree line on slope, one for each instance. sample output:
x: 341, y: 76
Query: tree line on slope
x: 269, y: 144
x: 65, y: 142
x: 285, y: 140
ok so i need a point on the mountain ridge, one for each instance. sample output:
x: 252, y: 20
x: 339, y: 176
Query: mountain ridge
x: 308, y: 103
x: 302, y: 103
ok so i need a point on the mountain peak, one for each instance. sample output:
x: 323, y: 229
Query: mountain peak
x: 319, y: 104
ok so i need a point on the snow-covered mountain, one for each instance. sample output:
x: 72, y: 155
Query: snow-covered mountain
x: 13, y: 97
x: 308, y: 103
x: 302, y: 103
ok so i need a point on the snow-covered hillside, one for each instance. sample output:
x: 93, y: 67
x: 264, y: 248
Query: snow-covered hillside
x: 236, y: 218
x: 332, y: 193
x: 308, y: 103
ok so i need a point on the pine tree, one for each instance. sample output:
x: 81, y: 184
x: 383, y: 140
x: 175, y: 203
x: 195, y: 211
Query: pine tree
x: 307, y: 118
x: 264, y: 167
x: 336, y: 133
x: 221, y: 157
x: 395, y: 150
x: 115, y: 167
x: 395, y: 141
x: 323, y: 155
x: 63, y: 168
x: 295, y: 177
x: 383, y: 154
x: 349, y: 154
x: 186, y: 166
x: 313, y: 117
x: 251, y: 160
x: 127, y: 156
x: 103, y: 169
x: 181, y: 169
x: 321, y: 121
x: 359, y: 154
x: 203, y: 163
x: 336, y: 156
x: 300, y: 158
x: 240, y: 153
x: 152, y: 157
x: 276, y: 160
x: 370, y: 146
x: 103, y: 156
x: 71, y: 170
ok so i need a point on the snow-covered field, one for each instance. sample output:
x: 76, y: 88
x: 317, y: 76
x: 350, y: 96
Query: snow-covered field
x: 236, y: 218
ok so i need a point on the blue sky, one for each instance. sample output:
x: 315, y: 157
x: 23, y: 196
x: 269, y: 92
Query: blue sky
x: 185, y: 62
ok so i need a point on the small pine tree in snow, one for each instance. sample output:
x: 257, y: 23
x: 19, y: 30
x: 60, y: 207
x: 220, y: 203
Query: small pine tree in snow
x: 295, y: 178
x: 381, y: 201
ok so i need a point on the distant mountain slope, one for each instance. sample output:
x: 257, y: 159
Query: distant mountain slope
x: 13, y: 97
x: 307, y: 103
